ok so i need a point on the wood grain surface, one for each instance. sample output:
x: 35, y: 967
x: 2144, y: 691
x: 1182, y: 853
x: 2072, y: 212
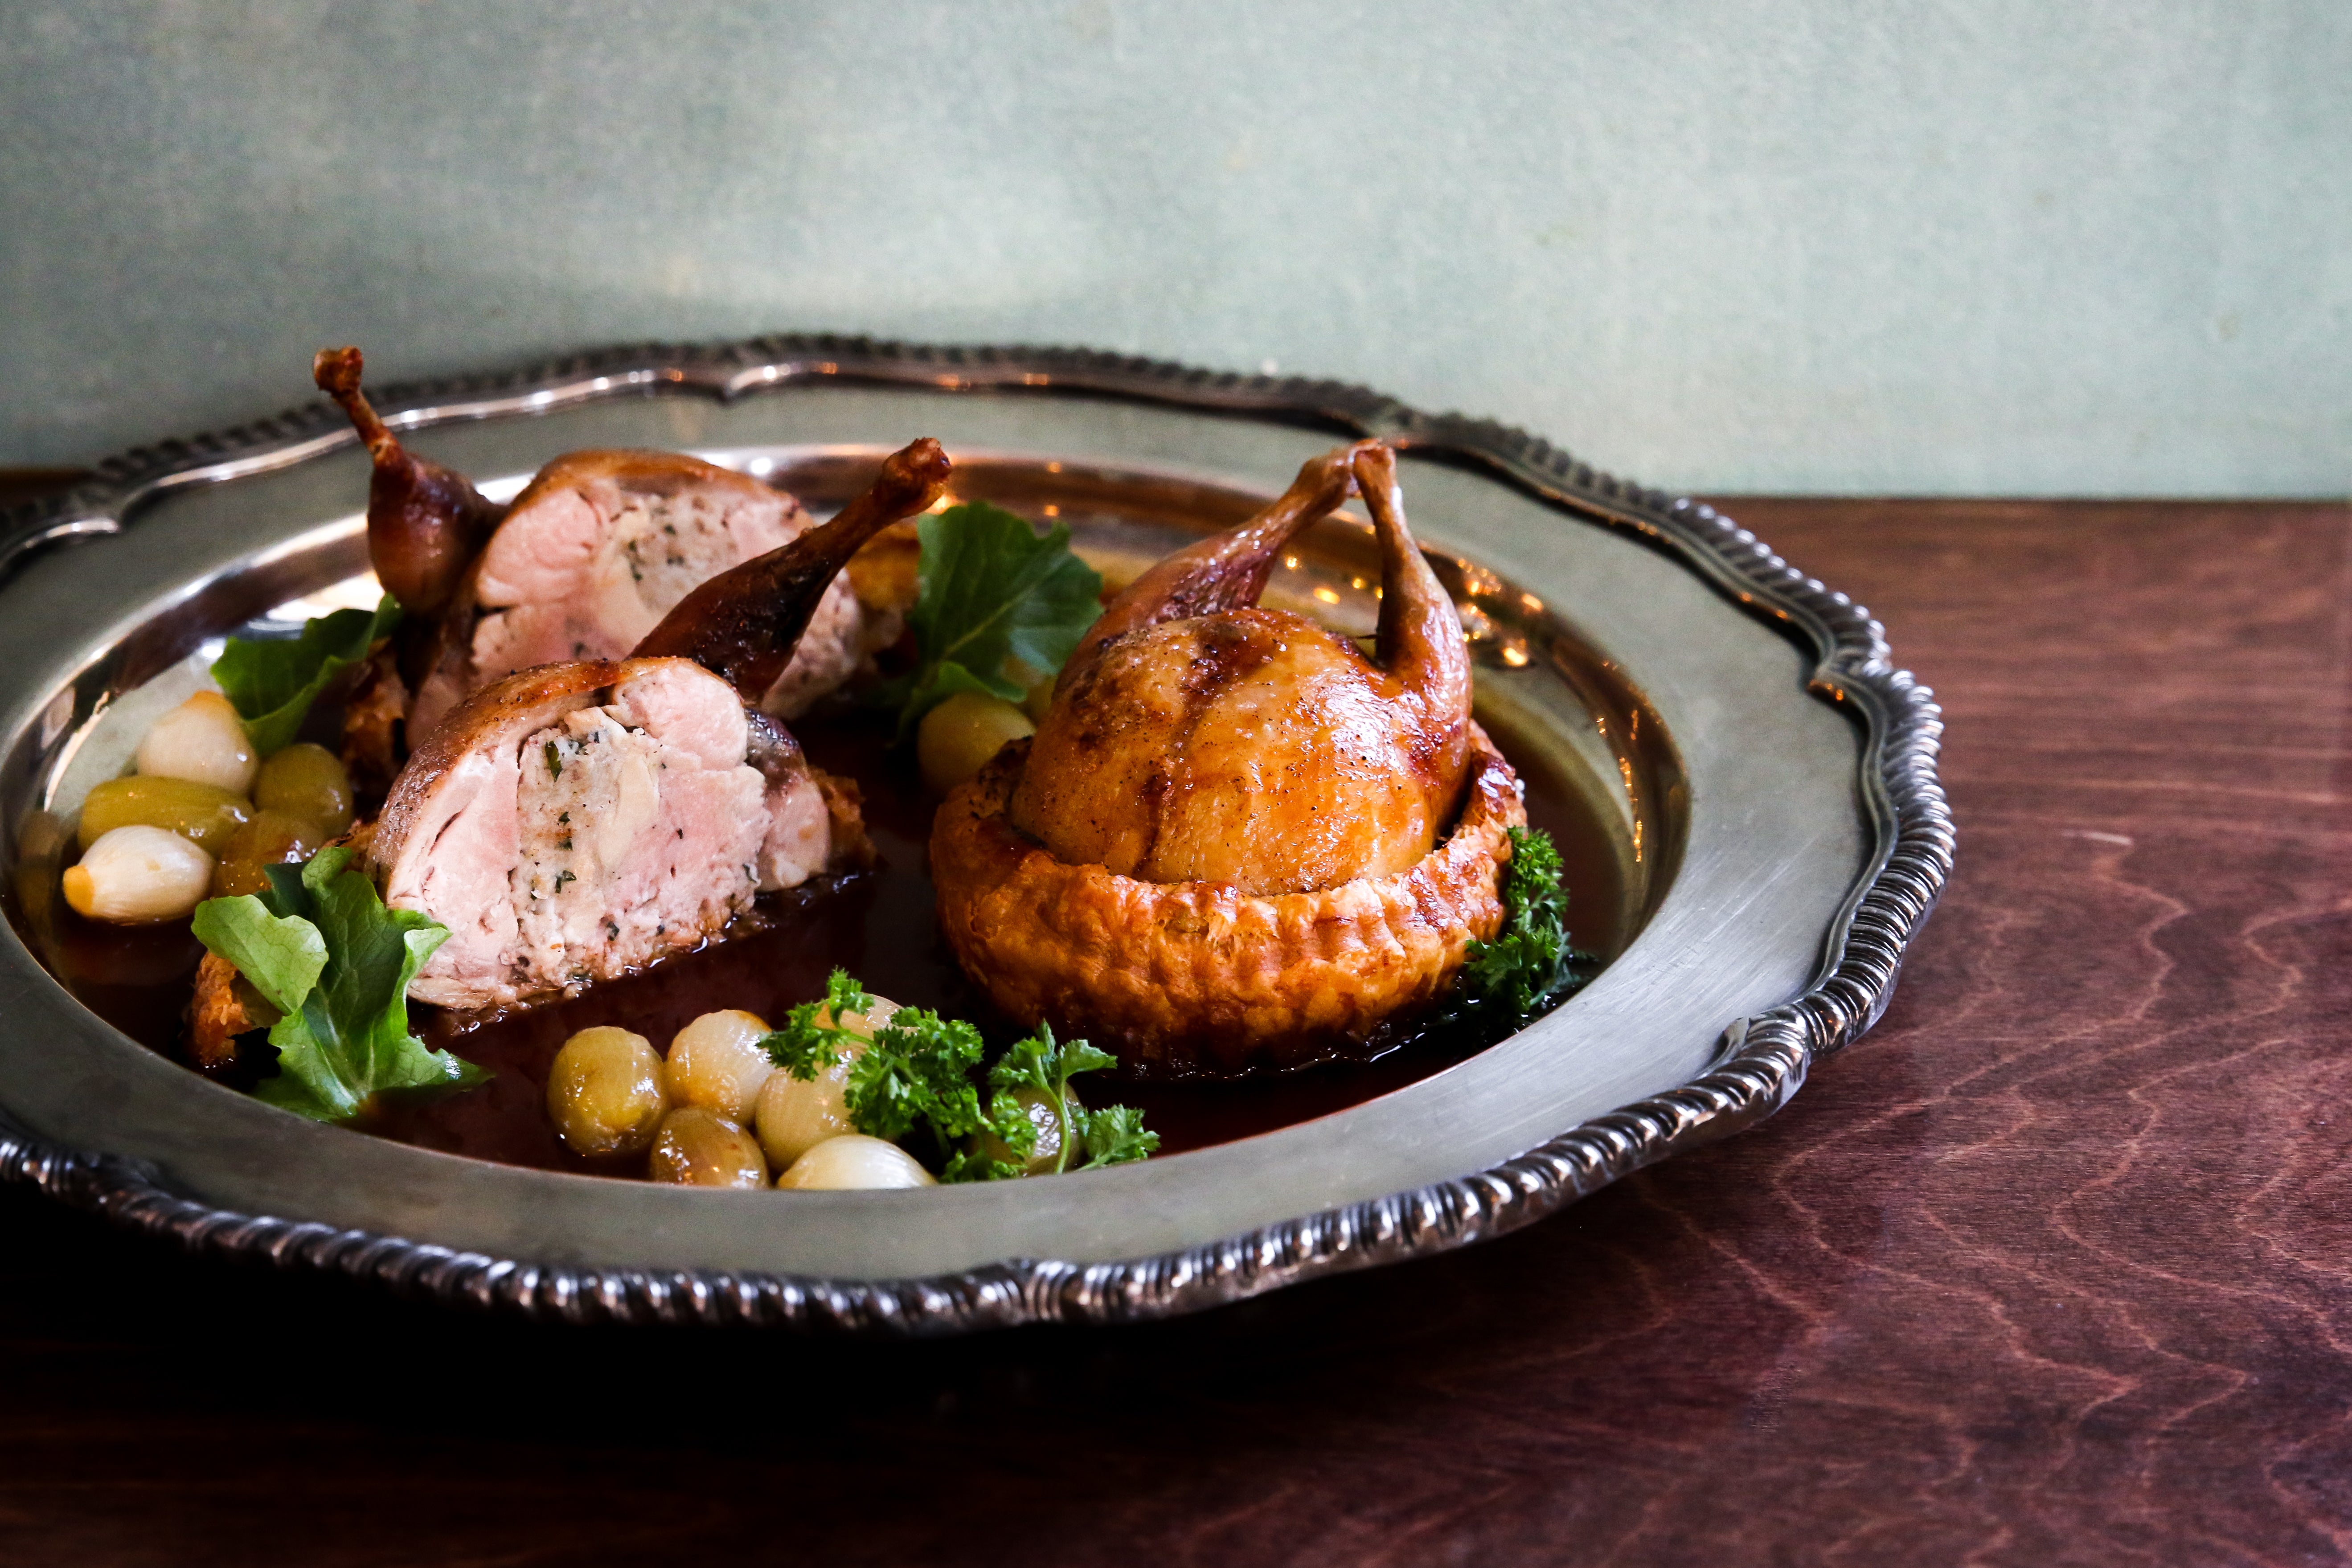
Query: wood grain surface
x: 2055, y: 1267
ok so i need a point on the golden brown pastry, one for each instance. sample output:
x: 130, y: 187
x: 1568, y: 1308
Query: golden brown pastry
x: 1237, y: 841
x: 224, y: 1006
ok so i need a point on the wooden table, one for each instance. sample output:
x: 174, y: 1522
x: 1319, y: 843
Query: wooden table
x: 2055, y: 1267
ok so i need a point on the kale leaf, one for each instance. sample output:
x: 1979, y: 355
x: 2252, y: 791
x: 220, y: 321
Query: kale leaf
x: 323, y: 949
x: 271, y: 682
x: 998, y: 605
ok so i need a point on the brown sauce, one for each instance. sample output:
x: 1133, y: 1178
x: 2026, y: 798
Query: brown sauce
x: 877, y: 925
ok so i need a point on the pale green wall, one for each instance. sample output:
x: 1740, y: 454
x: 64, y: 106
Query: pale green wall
x: 1991, y: 246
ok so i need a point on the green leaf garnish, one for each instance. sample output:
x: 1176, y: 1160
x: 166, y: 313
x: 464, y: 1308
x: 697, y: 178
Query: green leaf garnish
x: 998, y: 604
x: 281, y: 956
x: 324, y: 950
x: 915, y: 1073
x: 1111, y: 1136
x: 1116, y: 1135
x: 272, y: 682
x: 1529, y: 964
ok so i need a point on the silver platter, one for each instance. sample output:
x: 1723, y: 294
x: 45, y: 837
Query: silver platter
x: 1773, y: 774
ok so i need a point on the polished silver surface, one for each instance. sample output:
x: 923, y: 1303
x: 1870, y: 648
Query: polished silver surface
x: 1787, y: 787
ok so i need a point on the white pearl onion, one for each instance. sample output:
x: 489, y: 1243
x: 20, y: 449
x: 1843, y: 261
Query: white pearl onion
x: 203, y: 740
x: 852, y: 1160
x: 716, y: 1063
x: 139, y: 873
x: 794, y: 1115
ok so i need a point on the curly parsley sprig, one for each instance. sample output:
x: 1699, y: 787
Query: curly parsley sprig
x: 1530, y: 964
x: 1114, y: 1135
x: 914, y: 1070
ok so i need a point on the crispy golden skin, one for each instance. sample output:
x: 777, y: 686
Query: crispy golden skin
x: 373, y: 717
x: 216, y: 1014
x: 224, y: 1006
x: 1252, y: 747
x: 1195, y: 736
x: 1199, y: 978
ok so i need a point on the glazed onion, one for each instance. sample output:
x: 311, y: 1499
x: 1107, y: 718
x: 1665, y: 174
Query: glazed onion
x: 139, y: 873
x: 1046, y: 1153
x: 202, y: 739
x: 696, y: 1149
x: 794, y: 1115
x: 716, y: 1063
x: 604, y: 1092
x: 956, y: 738
x: 854, y: 1160
x: 204, y: 814
x: 307, y: 781
x: 268, y: 839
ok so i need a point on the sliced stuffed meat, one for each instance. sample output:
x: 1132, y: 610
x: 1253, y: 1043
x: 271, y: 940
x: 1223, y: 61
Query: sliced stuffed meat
x: 580, y: 821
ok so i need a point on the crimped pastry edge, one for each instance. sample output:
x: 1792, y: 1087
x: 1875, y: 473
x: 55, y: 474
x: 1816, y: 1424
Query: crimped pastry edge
x: 1198, y: 979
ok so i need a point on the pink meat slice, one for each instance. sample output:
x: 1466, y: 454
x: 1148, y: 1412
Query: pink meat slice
x: 576, y: 822
x: 600, y: 546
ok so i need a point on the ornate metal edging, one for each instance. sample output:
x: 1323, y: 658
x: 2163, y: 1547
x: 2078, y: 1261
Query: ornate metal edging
x: 1434, y: 1218
x: 1763, y: 1061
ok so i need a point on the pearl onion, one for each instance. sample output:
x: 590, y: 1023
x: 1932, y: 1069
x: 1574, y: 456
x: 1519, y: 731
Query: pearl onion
x: 205, y: 816
x: 854, y: 1160
x: 1046, y: 1120
x: 958, y: 737
x: 716, y: 1063
x: 696, y: 1149
x: 604, y: 1092
x: 139, y: 873
x: 794, y: 1115
x: 308, y: 781
x: 202, y: 739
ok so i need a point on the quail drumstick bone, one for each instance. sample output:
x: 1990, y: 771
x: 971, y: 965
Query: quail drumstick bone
x: 1420, y: 642
x: 745, y: 623
x: 1226, y: 571
x: 426, y: 522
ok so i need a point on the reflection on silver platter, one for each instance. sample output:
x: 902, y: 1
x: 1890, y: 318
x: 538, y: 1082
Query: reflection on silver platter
x: 1774, y: 777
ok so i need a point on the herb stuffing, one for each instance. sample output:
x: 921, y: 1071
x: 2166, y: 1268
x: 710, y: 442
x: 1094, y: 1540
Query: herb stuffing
x: 321, y: 949
x: 272, y: 682
x: 915, y: 1073
x: 999, y: 606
